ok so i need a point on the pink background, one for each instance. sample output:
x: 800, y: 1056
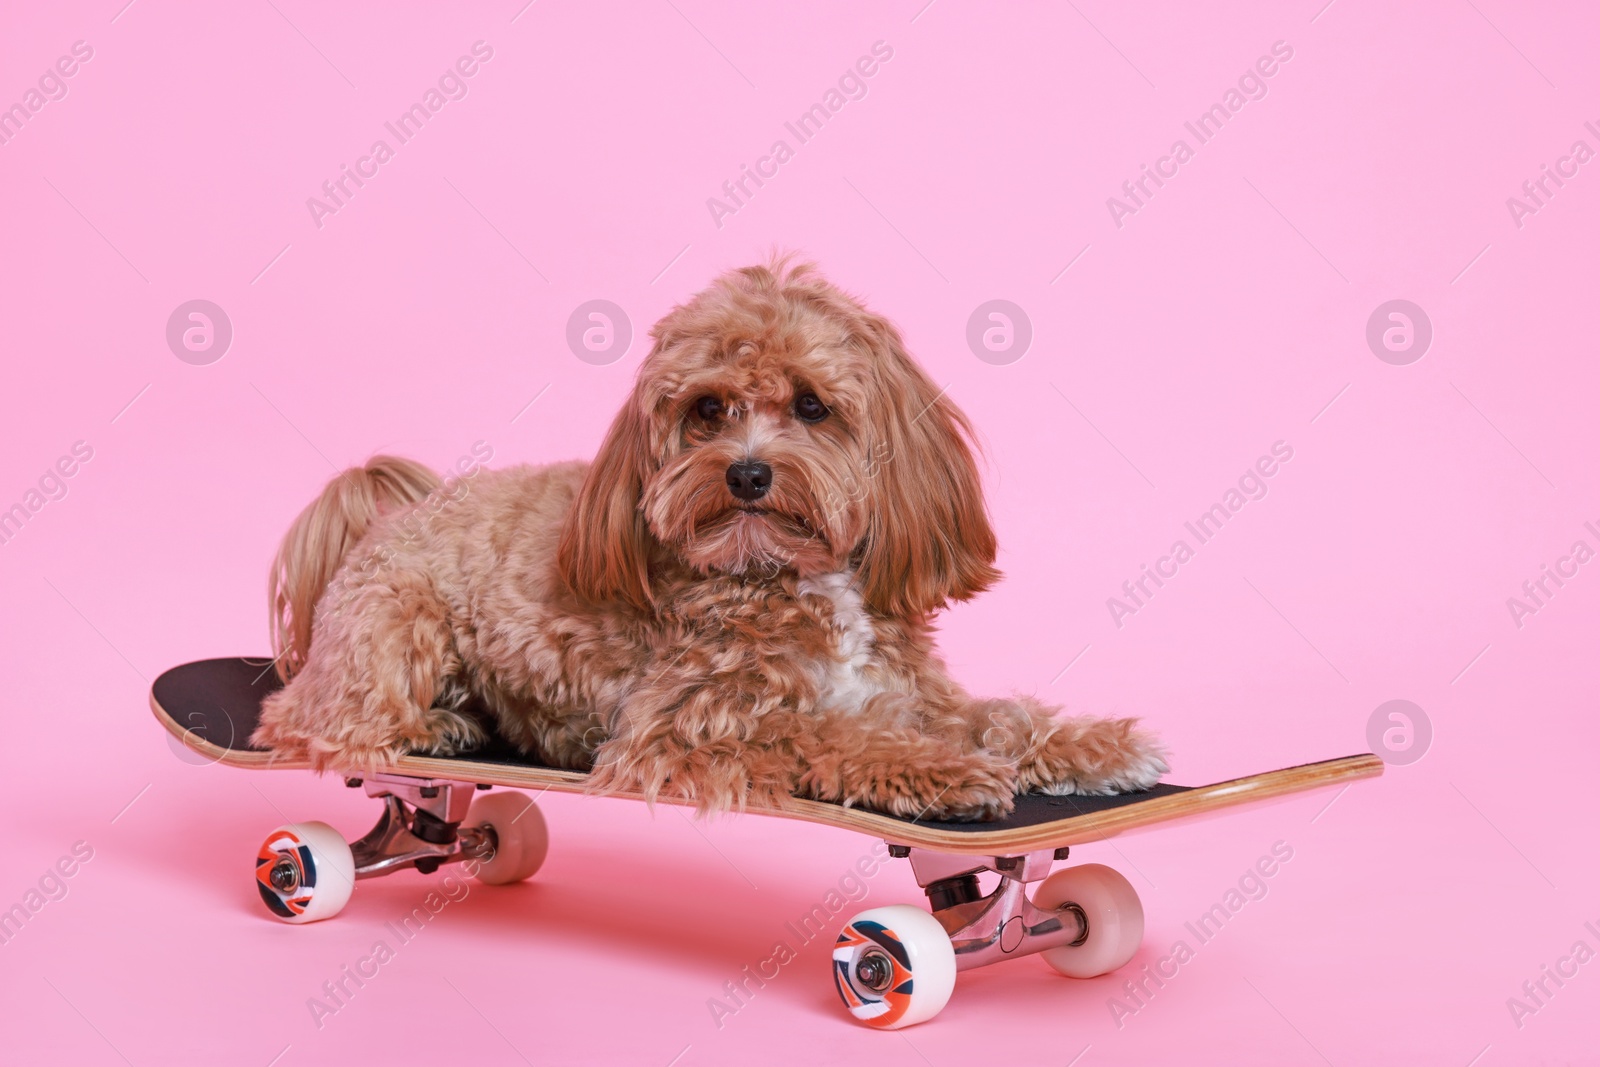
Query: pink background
x: 1227, y: 314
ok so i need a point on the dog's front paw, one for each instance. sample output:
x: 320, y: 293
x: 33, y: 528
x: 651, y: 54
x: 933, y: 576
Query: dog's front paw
x: 325, y: 754
x: 1094, y: 757
x: 717, y: 777
x: 975, y: 801
x: 282, y: 729
x: 971, y: 789
x: 446, y: 733
x: 280, y: 743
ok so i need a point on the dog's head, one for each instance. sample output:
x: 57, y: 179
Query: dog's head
x: 777, y: 424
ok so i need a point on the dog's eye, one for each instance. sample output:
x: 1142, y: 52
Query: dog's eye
x: 708, y: 408
x: 809, y: 409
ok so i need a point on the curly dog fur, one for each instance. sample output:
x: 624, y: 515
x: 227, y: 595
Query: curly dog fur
x: 732, y: 604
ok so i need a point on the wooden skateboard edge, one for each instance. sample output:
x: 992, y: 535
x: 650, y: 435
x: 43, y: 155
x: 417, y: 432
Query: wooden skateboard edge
x: 1084, y: 829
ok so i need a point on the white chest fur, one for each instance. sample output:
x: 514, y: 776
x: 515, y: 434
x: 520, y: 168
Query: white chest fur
x: 844, y: 678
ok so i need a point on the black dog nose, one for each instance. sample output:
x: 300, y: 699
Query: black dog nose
x: 749, y: 480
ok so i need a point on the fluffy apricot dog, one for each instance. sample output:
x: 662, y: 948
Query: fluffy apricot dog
x: 732, y: 604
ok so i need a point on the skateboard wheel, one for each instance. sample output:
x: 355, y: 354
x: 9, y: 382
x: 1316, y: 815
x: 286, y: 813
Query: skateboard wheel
x: 1111, y: 909
x: 305, y: 872
x: 521, y: 837
x: 894, y: 966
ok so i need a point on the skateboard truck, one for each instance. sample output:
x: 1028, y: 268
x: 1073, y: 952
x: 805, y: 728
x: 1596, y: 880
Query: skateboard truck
x: 895, y: 966
x: 307, y: 871
x: 987, y: 929
x: 420, y: 826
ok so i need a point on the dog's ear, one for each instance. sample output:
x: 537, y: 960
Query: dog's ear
x: 604, y: 553
x: 928, y: 536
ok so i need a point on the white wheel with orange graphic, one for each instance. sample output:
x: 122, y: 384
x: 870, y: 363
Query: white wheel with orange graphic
x: 894, y: 966
x: 305, y: 872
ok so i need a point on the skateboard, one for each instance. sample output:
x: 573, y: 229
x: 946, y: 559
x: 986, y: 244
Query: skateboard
x: 893, y: 966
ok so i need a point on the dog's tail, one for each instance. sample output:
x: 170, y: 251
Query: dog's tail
x: 324, y: 533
